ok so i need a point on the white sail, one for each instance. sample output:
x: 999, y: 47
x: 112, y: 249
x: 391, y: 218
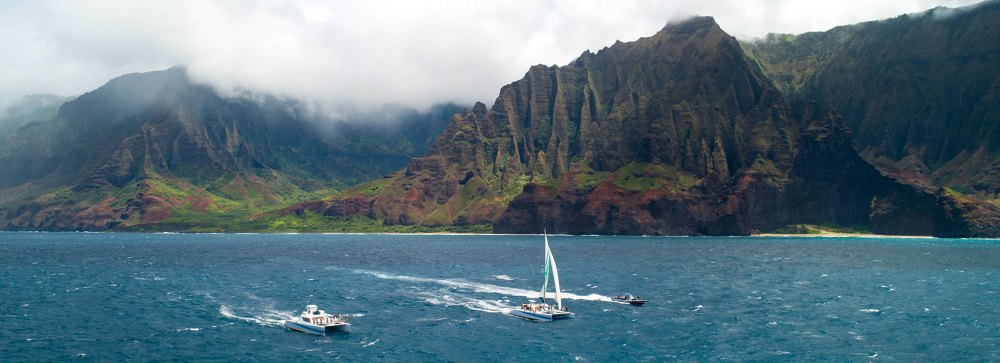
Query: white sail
x: 545, y: 284
x: 555, y: 271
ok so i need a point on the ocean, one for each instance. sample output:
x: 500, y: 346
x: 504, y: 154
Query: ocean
x: 222, y: 297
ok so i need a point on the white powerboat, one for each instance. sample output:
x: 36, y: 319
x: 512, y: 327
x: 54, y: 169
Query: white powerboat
x: 545, y: 311
x: 628, y: 299
x: 316, y: 321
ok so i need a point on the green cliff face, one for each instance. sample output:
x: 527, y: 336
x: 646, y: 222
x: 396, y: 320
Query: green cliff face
x: 920, y: 91
x: 678, y: 133
x: 155, y: 148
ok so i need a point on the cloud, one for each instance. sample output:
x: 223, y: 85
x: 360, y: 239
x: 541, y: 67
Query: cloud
x: 364, y: 53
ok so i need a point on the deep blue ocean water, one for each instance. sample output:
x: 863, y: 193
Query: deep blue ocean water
x: 142, y: 297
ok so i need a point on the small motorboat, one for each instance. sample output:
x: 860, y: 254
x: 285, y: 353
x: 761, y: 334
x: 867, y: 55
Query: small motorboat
x: 628, y: 299
x: 316, y: 321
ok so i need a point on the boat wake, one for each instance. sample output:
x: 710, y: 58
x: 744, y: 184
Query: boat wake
x: 480, y: 287
x: 444, y: 297
x: 269, y: 317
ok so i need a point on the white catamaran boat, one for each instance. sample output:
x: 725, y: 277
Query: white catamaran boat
x: 316, y: 321
x: 544, y: 311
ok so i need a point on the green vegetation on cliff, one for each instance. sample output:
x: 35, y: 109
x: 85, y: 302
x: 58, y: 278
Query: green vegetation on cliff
x: 921, y: 92
x: 638, y: 177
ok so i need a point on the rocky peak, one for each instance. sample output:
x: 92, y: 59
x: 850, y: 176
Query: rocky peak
x: 686, y: 98
x: 479, y: 110
x: 692, y: 24
x: 129, y: 94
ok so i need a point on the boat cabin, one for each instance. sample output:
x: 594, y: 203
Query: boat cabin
x: 313, y: 315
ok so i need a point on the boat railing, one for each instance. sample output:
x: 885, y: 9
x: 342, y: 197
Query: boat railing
x: 330, y: 319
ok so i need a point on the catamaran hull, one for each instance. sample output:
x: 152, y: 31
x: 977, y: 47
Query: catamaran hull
x: 540, y: 316
x: 318, y: 330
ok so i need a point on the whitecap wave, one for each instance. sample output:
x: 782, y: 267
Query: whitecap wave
x: 504, y: 277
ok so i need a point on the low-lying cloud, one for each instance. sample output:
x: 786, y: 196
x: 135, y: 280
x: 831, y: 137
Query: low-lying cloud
x: 363, y: 53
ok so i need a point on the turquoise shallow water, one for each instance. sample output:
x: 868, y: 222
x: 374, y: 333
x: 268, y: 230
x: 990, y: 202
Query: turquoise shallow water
x: 140, y: 297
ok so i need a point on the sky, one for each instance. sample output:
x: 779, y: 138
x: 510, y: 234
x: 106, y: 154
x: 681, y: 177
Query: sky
x: 362, y: 53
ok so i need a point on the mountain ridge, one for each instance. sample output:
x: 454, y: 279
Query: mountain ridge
x: 146, y: 146
x: 685, y: 132
x: 677, y: 133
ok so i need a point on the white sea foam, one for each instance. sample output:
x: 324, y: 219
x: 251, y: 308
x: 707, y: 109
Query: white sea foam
x: 480, y: 287
x: 871, y: 311
x: 365, y: 343
x: 504, y: 277
x: 443, y: 297
x: 267, y: 318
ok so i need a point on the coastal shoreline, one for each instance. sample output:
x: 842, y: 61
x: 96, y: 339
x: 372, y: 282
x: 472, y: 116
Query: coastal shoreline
x: 837, y: 235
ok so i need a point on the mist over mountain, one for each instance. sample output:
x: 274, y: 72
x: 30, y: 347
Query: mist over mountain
x: 147, y: 144
x: 329, y: 54
x: 30, y: 108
